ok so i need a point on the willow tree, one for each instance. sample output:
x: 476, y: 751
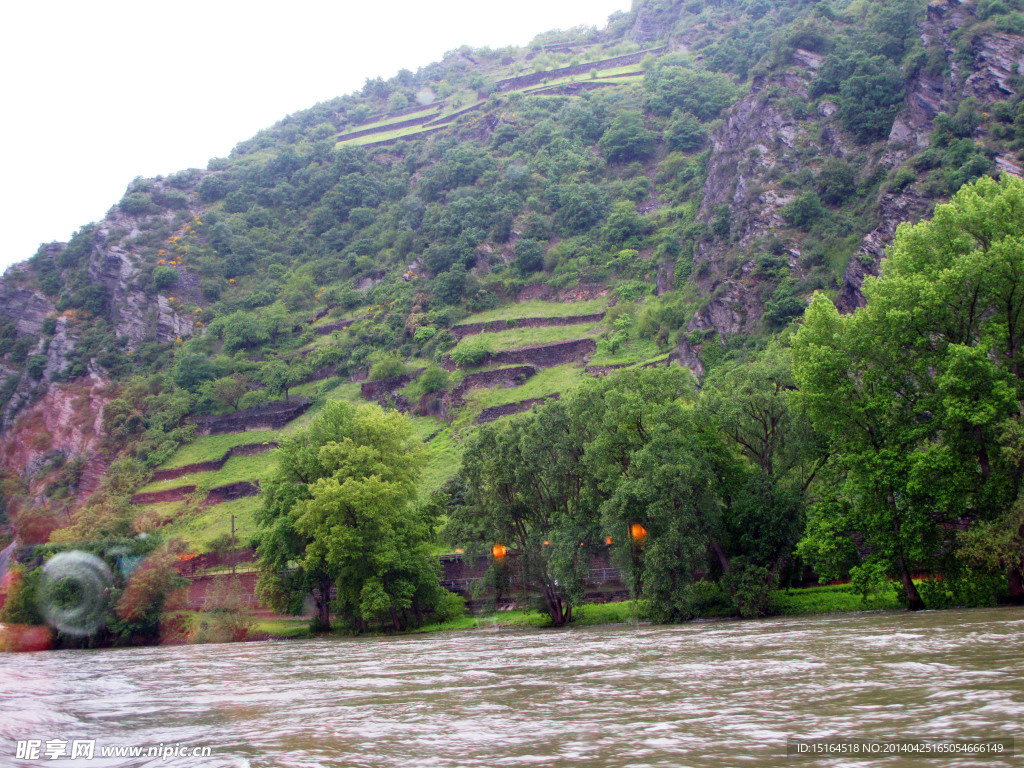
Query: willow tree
x: 921, y: 392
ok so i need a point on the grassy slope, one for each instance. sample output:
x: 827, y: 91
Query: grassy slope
x: 256, y: 467
x: 200, y: 527
x: 537, y: 308
x: 525, y: 337
x: 443, y: 451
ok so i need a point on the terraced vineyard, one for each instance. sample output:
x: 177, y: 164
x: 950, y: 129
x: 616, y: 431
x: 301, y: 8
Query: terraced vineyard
x: 437, y: 115
x: 199, y: 473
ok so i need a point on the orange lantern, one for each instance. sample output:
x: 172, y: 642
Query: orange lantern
x: 638, y: 533
x: 608, y: 540
x: 547, y: 543
x: 499, y: 551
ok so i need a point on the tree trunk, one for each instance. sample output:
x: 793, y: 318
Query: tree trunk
x: 554, y: 604
x: 1015, y: 577
x: 914, y: 601
x: 322, y: 597
x: 719, y: 553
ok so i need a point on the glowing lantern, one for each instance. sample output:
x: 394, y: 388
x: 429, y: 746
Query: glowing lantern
x: 459, y: 551
x: 637, y: 532
x: 547, y: 543
x: 608, y: 540
x: 499, y: 551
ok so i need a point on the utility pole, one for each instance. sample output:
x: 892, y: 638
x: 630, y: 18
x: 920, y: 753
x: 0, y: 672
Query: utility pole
x: 234, y: 554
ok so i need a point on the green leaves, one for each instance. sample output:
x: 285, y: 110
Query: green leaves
x: 916, y: 390
x: 342, y: 508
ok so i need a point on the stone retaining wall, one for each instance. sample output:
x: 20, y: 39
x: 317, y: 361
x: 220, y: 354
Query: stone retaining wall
x: 540, y: 355
x: 272, y: 416
x: 386, y: 128
x: 217, y: 495
x: 396, y: 139
x: 523, y: 81
x: 250, y: 449
x: 158, y: 497
x: 499, y: 377
x: 494, y: 326
x: 230, y: 492
x: 604, y: 370
x: 497, y: 411
x: 382, y: 388
x: 328, y: 328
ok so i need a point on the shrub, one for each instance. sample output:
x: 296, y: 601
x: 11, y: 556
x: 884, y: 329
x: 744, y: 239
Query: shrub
x: 471, y: 351
x: 804, y: 211
x: 387, y: 366
x: 164, y: 278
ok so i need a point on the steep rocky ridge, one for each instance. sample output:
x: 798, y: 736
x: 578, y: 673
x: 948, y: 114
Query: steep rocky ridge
x: 761, y: 141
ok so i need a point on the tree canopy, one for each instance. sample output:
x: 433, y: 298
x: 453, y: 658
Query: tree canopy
x: 340, y: 514
x: 920, y: 392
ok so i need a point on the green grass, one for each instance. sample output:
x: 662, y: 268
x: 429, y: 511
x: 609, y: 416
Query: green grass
x: 561, y: 378
x: 633, y: 351
x: 289, y: 628
x: 165, y: 510
x: 444, y: 455
x: 200, y: 527
x: 832, y: 599
x: 212, y: 447
x: 526, y: 337
x: 346, y: 390
x: 538, y: 308
x: 256, y: 467
x: 389, y: 120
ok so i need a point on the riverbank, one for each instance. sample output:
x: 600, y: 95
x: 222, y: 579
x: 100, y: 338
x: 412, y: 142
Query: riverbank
x: 792, y: 602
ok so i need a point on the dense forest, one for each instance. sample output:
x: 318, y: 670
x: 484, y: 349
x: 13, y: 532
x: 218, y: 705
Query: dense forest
x: 724, y: 292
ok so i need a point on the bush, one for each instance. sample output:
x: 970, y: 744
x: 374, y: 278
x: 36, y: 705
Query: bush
x: 627, y: 139
x: 804, y: 211
x: 752, y: 587
x: 471, y: 352
x: 837, y: 181
x: 685, y: 133
x: 633, y: 289
x: 387, y: 366
x: 164, y: 278
x: 137, y: 204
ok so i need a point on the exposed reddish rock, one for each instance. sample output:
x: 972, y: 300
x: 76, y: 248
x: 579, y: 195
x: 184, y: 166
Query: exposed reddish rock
x: 68, y: 420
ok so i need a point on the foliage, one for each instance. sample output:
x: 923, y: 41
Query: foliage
x: 921, y: 385
x: 341, y: 506
x: 627, y: 139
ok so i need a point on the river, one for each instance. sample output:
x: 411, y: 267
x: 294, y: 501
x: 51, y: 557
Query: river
x: 703, y: 694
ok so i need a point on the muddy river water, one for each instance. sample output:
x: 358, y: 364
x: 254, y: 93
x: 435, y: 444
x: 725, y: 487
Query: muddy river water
x: 704, y: 694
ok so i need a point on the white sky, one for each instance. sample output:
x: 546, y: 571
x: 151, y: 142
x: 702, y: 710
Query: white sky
x: 97, y: 93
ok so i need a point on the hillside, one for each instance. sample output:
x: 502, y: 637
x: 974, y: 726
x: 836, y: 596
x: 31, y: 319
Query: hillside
x: 468, y: 240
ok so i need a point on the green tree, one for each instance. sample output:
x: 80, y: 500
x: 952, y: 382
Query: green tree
x: 919, y: 391
x: 526, y: 490
x: 228, y: 391
x: 341, y: 509
x: 627, y: 139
